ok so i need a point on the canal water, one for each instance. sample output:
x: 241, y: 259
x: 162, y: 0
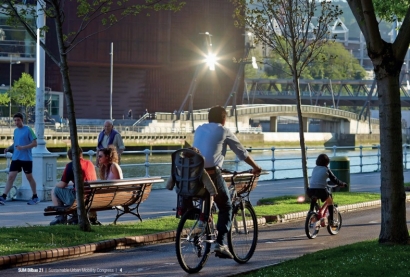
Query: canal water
x: 285, y: 162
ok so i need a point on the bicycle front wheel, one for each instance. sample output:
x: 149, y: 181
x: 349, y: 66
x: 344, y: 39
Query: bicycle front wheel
x: 312, y: 225
x: 191, y: 244
x: 335, y: 228
x: 243, y: 237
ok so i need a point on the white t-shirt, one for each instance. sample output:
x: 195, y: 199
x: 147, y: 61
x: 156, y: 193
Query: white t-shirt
x: 212, y: 140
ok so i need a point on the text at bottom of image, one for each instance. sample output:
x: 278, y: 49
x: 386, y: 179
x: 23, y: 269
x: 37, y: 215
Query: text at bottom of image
x: 62, y: 270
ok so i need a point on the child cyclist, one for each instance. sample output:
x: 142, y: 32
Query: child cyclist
x: 318, y: 182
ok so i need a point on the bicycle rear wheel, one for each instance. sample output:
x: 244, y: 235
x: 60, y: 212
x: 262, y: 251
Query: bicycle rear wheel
x: 243, y: 236
x: 191, y: 247
x: 337, y: 218
x: 312, y: 225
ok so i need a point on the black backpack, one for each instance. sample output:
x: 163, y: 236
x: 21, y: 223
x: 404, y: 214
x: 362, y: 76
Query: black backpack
x: 187, y: 170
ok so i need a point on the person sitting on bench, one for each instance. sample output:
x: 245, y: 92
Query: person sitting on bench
x: 62, y: 194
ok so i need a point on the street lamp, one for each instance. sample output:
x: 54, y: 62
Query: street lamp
x: 10, y: 85
x: 210, y: 59
x: 111, y: 79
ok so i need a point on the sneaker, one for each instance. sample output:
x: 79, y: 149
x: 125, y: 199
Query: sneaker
x: 223, y: 250
x: 2, y: 200
x: 92, y: 217
x: 94, y: 222
x: 60, y: 219
x: 333, y: 223
x: 33, y: 201
x: 73, y: 220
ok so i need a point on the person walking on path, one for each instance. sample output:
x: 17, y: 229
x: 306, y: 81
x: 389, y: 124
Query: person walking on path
x: 24, y: 140
x: 109, y: 136
x: 212, y: 140
x: 61, y: 194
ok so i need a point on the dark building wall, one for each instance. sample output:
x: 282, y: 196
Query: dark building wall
x: 154, y: 60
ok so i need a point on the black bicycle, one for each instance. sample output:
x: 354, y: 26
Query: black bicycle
x: 195, y: 234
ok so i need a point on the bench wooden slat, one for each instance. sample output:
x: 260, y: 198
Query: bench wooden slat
x: 123, y: 182
x: 124, y: 196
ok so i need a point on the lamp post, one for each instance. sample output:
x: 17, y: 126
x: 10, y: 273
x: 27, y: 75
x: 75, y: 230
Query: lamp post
x: 249, y: 45
x: 111, y: 79
x: 210, y: 61
x: 10, y: 85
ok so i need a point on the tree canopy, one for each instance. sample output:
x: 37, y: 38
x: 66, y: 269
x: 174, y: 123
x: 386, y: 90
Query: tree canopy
x: 296, y: 31
x: 104, y: 13
x: 391, y: 10
x: 24, y: 91
x: 335, y: 62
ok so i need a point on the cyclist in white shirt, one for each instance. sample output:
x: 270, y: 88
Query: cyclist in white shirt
x: 212, y: 140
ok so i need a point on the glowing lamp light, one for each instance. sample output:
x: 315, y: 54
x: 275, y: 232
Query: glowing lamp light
x: 210, y: 61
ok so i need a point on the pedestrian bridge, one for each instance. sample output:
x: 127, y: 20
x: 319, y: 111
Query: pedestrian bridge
x: 334, y: 93
x: 331, y: 120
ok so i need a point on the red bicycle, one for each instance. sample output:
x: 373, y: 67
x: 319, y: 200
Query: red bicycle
x: 318, y: 217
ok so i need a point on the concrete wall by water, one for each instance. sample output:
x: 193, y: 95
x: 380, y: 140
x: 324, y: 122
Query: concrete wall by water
x: 293, y: 138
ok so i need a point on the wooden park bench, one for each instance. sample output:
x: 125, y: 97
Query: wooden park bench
x: 124, y: 196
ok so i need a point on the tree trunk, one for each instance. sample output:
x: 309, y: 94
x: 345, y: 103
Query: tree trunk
x: 387, y: 59
x: 301, y: 132
x: 83, y: 222
x: 393, y: 196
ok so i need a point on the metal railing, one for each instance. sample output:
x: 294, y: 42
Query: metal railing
x: 276, y: 162
x: 57, y: 130
x: 145, y: 116
x: 358, y: 158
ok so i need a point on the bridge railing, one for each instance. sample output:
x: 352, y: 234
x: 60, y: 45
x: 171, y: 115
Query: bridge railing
x: 281, y: 162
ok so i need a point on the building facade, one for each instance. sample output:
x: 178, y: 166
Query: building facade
x: 154, y: 60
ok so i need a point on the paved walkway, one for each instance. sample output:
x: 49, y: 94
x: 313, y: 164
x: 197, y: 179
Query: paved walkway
x: 160, y: 203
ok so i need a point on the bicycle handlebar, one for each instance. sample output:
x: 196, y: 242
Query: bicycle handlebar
x: 332, y: 186
x: 246, y: 179
x: 234, y: 172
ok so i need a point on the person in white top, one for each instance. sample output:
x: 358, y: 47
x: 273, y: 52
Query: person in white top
x: 108, y: 164
x: 212, y: 140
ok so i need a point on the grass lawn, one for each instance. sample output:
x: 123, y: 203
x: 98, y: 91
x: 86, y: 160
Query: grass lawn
x: 33, y: 238
x: 367, y: 258
x: 289, y: 204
